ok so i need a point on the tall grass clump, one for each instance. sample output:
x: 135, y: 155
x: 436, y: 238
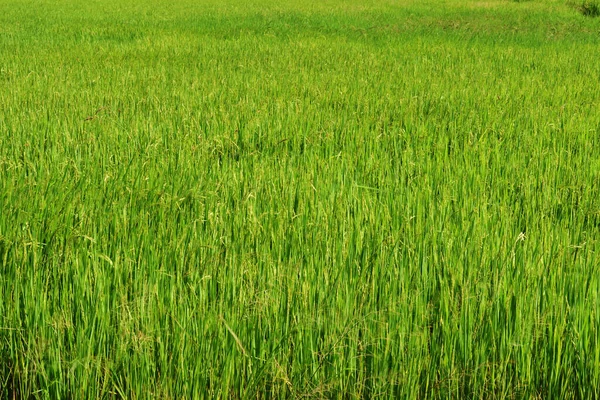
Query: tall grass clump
x: 202, y: 199
x: 589, y: 8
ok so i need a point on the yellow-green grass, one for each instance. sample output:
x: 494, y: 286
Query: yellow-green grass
x: 345, y: 199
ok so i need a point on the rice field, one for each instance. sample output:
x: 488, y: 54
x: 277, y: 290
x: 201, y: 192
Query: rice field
x: 296, y: 199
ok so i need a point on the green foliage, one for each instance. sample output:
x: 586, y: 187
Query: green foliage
x: 590, y: 8
x: 280, y: 199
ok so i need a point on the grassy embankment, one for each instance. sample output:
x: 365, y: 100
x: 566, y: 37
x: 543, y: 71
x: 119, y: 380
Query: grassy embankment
x: 274, y: 199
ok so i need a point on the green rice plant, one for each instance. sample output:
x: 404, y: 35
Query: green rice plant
x: 289, y: 199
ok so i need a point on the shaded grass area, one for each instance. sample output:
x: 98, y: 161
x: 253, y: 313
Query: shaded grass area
x: 281, y: 200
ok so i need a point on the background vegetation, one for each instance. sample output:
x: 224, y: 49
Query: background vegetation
x: 268, y: 199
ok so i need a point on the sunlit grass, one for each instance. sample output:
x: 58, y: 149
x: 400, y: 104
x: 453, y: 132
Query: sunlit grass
x: 344, y: 199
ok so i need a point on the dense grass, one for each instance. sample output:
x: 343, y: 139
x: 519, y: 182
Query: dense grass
x: 274, y: 199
